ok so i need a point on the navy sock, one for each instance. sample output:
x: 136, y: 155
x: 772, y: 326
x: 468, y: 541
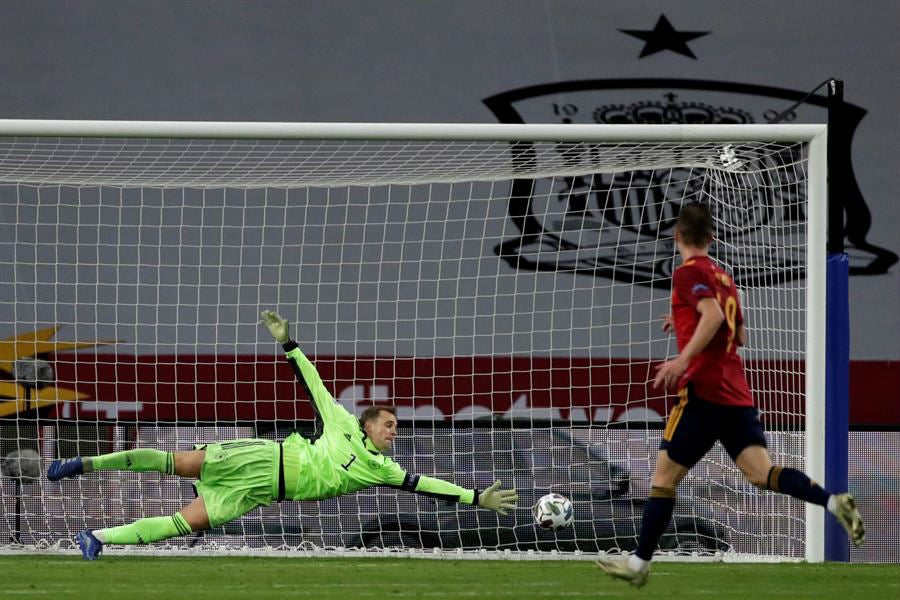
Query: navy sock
x: 795, y: 483
x: 657, y: 514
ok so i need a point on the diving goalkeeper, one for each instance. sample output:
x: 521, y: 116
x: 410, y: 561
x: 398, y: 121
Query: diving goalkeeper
x: 238, y: 476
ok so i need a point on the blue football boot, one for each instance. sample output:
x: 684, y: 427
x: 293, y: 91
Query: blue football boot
x: 66, y: 467
x: 91, y: 547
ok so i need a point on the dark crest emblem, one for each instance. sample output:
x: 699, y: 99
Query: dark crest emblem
x: 565, y: 223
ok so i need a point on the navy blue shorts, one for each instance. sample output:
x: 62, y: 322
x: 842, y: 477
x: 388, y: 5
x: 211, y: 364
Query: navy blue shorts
x: 694, y: 425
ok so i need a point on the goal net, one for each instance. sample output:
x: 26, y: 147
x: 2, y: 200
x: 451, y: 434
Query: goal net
x: 502, y: 286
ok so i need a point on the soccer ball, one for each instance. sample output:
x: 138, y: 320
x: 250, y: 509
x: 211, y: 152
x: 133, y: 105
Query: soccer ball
x: 553, y: 511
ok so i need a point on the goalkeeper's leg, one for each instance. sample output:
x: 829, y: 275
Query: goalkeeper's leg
x: 192, y: 517
x: 185, y: 464
x: 755, y: 463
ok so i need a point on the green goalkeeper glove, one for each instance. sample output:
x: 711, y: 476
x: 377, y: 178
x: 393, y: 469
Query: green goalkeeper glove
x: 498, y: 500
x: 277, y: 325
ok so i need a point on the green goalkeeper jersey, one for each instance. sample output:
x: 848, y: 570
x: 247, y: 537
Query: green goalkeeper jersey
x: 342, y: 459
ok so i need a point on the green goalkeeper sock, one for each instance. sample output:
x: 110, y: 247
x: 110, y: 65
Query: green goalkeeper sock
x: 145, y: 531
x: 142, y: 459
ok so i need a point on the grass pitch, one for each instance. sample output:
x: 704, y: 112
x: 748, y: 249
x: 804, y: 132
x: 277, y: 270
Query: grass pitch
x: 251, y: 578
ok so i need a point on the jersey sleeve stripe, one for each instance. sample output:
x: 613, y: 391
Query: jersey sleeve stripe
x: 409, y: 483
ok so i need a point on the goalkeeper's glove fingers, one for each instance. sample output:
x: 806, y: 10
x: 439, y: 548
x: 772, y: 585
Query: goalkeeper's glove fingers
x: 498, y: 500
x: 276, y: 325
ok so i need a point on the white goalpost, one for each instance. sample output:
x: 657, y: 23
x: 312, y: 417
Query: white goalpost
x: 501, y: 285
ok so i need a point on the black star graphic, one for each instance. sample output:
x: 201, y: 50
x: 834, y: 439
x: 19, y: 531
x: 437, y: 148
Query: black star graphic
x: 664, y: 37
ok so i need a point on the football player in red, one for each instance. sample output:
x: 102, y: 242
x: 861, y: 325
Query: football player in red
x: 714, y: 399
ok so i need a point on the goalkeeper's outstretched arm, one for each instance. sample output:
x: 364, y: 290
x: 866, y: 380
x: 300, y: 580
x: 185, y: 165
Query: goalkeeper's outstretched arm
x: 323, y: 401
x: 491, y: 498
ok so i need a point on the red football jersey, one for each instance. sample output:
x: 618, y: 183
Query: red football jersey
x: 716, y: 373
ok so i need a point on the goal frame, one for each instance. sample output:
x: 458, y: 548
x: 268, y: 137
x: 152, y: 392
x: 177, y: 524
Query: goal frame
x: 816, y: 135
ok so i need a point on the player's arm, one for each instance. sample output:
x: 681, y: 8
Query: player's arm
x: 692, y: 285
x: 740, y: 334
x: 306, y: 373
x: 491, y: 498
x: 711, y: 319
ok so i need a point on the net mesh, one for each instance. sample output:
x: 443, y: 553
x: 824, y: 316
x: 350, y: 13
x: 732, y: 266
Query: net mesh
x: 506, y: 297
x: 333, y: 163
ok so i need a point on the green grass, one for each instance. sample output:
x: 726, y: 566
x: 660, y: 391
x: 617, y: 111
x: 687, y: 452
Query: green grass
x: 249, y: 578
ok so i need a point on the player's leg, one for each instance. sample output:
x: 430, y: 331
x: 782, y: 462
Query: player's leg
x: 657, y: 514
x: 686, y: 439
x: 192, y: 517
x: 755, y: 463
x: 185, y: 464
x: 189, y: 463
x: 138, y: 459
x: 658, y: 510
x: 744, y: 439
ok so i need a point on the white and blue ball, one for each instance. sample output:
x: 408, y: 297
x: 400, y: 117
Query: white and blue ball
x: 553, y: 511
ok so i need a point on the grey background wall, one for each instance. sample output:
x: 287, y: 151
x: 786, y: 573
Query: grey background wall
x: 437, y: 61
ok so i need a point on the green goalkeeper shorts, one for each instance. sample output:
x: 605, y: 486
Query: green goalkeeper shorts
x: 237, y: 477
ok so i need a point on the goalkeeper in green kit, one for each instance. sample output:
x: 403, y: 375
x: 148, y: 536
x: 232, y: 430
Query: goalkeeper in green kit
x: 238, y: 476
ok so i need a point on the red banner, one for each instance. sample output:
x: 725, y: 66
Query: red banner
x: 186, y: 388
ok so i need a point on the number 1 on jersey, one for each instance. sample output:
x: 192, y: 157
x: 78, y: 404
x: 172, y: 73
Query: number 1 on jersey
x: 349, y: 462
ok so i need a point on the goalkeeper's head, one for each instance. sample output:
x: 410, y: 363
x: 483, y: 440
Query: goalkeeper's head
x: 380, y: 425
